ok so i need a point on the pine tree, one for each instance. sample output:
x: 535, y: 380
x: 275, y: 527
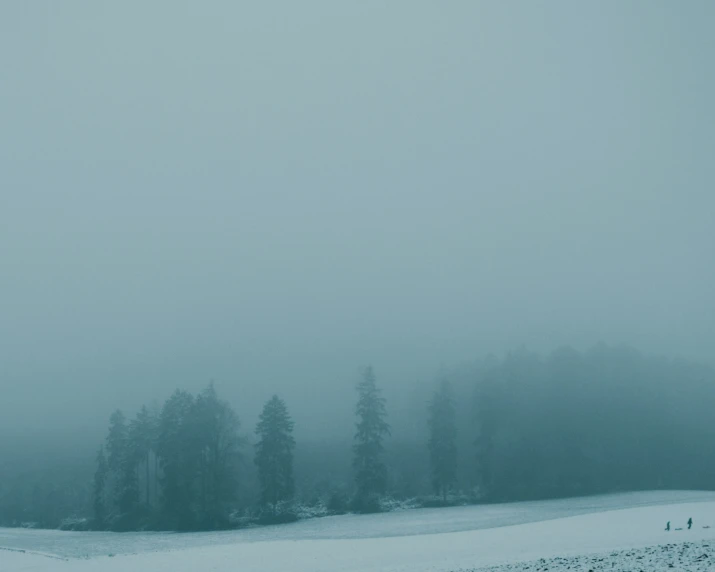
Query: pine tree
x: 100, y: 480
x: 178, y: 461
x: 274, y: 453
x: 370, y: 471
x: 443, y: 439
x: 216, y: 442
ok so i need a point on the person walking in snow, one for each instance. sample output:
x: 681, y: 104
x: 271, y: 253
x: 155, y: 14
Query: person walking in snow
x: 667, y: 526
x: 690, y: 523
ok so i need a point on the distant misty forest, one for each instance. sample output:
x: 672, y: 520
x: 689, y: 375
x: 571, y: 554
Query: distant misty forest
x: 520, y: 427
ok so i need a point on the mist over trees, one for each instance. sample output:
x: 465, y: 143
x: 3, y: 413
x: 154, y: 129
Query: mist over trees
x: 498, y: 429
x: 578, y: 423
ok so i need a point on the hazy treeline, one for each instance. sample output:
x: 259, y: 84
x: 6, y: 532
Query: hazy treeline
x: 176, y: 468
x: 519, y: 427
x: 579, y: 423
x: 180, y: 467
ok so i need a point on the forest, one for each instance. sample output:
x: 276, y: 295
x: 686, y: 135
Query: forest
x: 519, y: 427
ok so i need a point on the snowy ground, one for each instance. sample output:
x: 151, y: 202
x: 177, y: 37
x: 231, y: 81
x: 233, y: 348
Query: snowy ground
x: 691, y: 556
x: 465, y: 538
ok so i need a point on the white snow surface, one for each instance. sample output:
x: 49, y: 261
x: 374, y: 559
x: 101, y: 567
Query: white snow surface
x: 515, y: 536
x: 690, y: 556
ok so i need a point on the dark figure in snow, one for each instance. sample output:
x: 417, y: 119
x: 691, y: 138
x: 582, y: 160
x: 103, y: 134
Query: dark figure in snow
x: 690, y: 523
x: 667, y: 526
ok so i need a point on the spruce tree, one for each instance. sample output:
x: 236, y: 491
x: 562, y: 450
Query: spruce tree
x: 370, y: 471
x: 443, y: 439
x: 178, y: 461
x: 100, y: 480
x: 274, y: 453
x: 215, y: 441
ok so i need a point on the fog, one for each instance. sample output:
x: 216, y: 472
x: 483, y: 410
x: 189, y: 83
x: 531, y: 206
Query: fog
x: 271, y: 196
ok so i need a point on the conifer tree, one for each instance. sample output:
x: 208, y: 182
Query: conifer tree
x: 370, y: 471
x: 274, y: 453
x: 100, y: 480
x: 178, y: 461
x: 121, y: 463
x: 216, y: 442
x: 443, y: 439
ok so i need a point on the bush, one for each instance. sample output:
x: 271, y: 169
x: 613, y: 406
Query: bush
x: 242, y: 518
x: 390, y: 504
x: 304, y: 512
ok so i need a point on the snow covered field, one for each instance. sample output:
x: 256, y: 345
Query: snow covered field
x: 691, y: 556
x: 463, y: 538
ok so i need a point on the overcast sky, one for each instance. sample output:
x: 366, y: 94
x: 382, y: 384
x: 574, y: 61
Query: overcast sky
x: 271, y: 194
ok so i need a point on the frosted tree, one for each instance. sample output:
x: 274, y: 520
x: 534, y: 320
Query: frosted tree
x: 443, y: 439
x: 274, y: 453
x: 371, y: 429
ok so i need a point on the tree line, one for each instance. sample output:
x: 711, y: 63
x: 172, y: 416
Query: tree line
x: 179, y: 467
x: 498, y: 429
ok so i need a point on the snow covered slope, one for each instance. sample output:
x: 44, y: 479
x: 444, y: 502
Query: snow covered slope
x: 595, y: 533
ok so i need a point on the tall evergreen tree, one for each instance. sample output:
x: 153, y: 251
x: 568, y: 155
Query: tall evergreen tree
x: 443, y: 439
x: 100, y: 480
x: 274, y: 452
x: 216, y: 442
x: 178, y: 461
x: 370, y: 471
